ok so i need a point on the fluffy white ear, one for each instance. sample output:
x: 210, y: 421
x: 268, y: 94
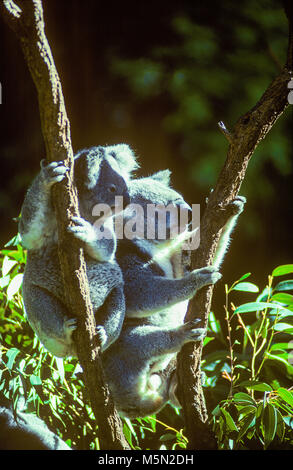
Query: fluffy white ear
x: 124, y: 156
x: 163, y: 176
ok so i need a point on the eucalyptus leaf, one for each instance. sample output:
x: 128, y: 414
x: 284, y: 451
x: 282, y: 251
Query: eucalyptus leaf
x: 246, y: 287
x: 11, y: 354
x: 282, y: 270
x: 269, y: 421
x: 286, y: 395
x: 284, y: 285
x: 14, y: 286
x: 7, y: 265
x: 253, y: 307
x: 228, y: 420
x: 256, y: 385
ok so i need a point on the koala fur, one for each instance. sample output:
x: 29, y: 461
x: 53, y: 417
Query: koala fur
x: 24, y: 431
x: 100, y: 174
x: 139, y: 364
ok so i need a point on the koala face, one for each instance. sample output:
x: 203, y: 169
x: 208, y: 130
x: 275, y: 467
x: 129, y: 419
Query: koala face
x: 155, y: 191
x: 101, y: 174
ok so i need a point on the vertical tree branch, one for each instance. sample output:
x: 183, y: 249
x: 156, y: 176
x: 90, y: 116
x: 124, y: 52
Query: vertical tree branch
x: 26, y: 19
x: 243, y: 140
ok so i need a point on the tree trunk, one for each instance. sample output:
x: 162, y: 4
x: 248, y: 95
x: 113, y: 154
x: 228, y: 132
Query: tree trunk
x: 26, y: 19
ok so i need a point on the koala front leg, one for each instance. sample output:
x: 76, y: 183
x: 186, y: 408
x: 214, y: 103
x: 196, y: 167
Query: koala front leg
x: 37, y: 222
x: 99, y: 245
x: 154, y: 293
x: 155, y: 342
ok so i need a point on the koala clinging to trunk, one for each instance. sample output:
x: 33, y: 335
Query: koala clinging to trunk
x: 140, y: 365
x: 100, y: 174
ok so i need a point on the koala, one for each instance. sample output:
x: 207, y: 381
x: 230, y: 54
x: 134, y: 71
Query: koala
x: 24, y: 431
x: 100, y: 174
x: 140, y: 365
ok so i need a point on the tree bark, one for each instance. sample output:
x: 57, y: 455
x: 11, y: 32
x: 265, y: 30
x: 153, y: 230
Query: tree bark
x: 247, y: 133
x: 26, y: 19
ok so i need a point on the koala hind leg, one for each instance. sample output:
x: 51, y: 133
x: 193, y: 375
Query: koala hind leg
x: 50, y: 320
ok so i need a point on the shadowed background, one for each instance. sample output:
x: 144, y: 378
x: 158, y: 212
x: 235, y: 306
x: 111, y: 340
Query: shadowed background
x: 159, y: 76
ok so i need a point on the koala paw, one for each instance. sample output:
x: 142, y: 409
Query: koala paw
x: 102, y: 335
x: 70, y: 326
x: 205, y: 276
x: 192, y: 333
x: 237, y: 205
x: 53, y: 172
x: 83, y: 230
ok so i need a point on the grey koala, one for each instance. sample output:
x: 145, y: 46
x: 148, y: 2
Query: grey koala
x: 25, y: 431
x: 100, y: 174
x: 140, y: 365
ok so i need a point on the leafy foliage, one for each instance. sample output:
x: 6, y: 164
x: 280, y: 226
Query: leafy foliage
x: 248, y: 372
x: 254, y: 379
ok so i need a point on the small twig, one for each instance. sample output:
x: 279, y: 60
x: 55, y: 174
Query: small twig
x: 225, y: 131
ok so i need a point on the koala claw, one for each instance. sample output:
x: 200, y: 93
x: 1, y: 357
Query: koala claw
x: 82, y: 230
x: 70, y: 326
x: 54, y: 172
x: 102, y: 335
x: 206, y: 276
x: 194, y: 334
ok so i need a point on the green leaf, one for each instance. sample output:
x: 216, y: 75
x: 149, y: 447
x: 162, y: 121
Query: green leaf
x: 269, y: 422
x: 228, y: 420
x: 14, y: 286
x: 283, y: 298
x: 282, y: 346
x: 246, y: 287
x: 7, y: 265
x: 243, y: 398
x: 284, y: 327
x: 255, y: 385
x: 282, y: 270
x: 245, y: 276
x: 246, y: 409
x: 60, y: 367
x: 4, y: 281
x: 11, y: 354
x: 286, y: 395
x: 253, y: 307
x: 246, y: 423
x: 129, y: 424
x: 35, y: 380
x: 284, y: 285
x: 214, y: 324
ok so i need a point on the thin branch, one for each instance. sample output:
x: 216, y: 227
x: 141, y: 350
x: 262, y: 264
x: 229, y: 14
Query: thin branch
x: 26, y: 20
x: 247, y: 133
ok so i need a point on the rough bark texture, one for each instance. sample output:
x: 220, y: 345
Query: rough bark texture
x: 243, y: 140
x: 26, y: 19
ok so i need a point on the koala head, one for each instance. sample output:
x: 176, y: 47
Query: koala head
x: 101, y: 174
x: 153, y: 191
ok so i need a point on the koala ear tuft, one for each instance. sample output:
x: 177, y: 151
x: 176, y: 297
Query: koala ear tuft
x: 163, y: 176
x: 125, y: 157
